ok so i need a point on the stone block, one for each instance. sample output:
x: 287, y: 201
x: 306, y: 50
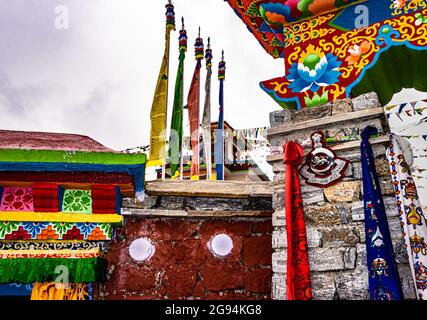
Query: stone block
x: 339, y: 236
x: 323, y: 285
x: 358, y: 211
x: 171, y: 203
x: 342, y: 106
x: 310, y: 195
x: 278, y: 167
x: 278, y: 286
x: 313, y: 197
x: 357, y: 170
x: 361, y: 256
x: 382, y: 167
x: 279, y: 180
x: 381, y: 164
x: 280, y: 117
x: 394, y: 227
x: 279, y: 218
x: 344, y: 212
x: 344, y: 191
x: 279, y: 239
x: 326, y: 214
x: 279, y: 261
x: 326, y: 259
x: 391, y: 208
x: 350, y: 258
x: 406, y: 281
x: 349, y: 171
x: 354, y: 154
x: 258, y: 204
x: 400, y: 251
x: 305, y: 188
x: 386, y: 186
x: 217, y: 204
x: 366, y: 101
x: 360, y: 226
x: 353, y: 285
x: 314, y: 237
x: 149, y: 202
x: 311, y: 113
x: 278, y: 196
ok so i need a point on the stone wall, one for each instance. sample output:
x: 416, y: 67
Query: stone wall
x: 335, y: 216
x: 180, y: 227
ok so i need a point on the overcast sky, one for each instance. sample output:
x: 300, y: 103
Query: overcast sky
x: 98, y: 77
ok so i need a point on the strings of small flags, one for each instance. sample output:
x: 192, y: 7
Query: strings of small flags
x: 413, y: 111
x: 252, y: 133
x: 138, y: 149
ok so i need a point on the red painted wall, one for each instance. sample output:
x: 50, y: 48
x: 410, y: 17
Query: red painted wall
x: 182, y: 266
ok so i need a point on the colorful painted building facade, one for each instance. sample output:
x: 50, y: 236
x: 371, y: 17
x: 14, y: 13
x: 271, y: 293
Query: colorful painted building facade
x: 60, y: 203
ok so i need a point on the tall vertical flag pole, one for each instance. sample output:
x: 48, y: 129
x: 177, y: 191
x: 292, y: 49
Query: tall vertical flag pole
x: 193, y: 102
x: 158, y: 115
x: 219, y: 143
x: 206, y: 120
x: 175, y: 140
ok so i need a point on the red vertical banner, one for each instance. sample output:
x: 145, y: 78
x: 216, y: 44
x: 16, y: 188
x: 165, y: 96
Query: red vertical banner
x: 193, y: 103
x: 298, y: 282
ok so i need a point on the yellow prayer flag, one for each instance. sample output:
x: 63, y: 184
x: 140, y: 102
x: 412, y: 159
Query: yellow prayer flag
x: 159, y: 109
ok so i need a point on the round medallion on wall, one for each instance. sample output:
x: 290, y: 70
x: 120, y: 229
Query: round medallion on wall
x: 323, y: 168
x: 141, y: 249
x: 221, y: 245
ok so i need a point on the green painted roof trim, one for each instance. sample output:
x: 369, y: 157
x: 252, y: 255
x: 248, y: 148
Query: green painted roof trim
x: 397, y: 68
x: 54, y: 156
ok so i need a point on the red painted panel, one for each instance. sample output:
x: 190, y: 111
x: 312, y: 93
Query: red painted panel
x: 45, y: 197
x: 103, y: 199
x: 69, y: 177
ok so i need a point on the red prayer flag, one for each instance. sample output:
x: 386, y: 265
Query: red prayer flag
x: 193, y: 102
x: 298, y: 282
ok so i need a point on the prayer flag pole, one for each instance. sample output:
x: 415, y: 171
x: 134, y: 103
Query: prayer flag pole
x: 158, y: 114
x: 219, y: 144
x: 193, y: 102
x: 206, y: 120
x: 175, y: 140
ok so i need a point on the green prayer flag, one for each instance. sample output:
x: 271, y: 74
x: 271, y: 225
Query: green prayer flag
x: 175, y: 141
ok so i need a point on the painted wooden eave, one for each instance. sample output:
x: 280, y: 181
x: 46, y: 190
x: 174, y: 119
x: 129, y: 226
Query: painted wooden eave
x: 214, y: 189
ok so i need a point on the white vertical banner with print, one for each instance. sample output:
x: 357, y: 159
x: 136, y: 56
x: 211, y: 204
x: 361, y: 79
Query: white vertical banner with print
x: 411, y: 216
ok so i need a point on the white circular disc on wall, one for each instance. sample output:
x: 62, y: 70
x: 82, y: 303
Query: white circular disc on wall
x: 141, y: 249
x: 221, y: 245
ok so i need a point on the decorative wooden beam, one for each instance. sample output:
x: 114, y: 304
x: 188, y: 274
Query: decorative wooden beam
x: 316, y: 123
x: 213, y: 189
x: 340, y: 147
x: 133, y: 212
